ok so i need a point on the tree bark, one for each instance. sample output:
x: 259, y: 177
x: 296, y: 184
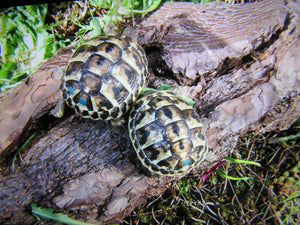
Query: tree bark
x: 238, y: 62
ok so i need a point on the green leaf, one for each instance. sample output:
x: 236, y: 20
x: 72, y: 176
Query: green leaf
x: 146, y: 89
x: 164, y: 87
x: 96, y: 27
x: 48, y: 47
x: 152, y: 7
x: 4, y: 24
x: 104, y: 4
x: 5, y: 71
x: 23, y: 41
x: 184, y: 188
x: 48, y: 214
x: 188, y: 100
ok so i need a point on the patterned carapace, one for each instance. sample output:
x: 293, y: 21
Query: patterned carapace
x: 104, y: 77
x: 167, y: 134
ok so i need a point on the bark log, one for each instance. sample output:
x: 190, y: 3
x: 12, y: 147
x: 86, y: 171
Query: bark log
x: 238, y: 62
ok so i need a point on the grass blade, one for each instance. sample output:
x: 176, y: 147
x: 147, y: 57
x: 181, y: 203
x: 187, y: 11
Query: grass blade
x: 243, y: 161
x: 48, y: 214
x: 230, y: 177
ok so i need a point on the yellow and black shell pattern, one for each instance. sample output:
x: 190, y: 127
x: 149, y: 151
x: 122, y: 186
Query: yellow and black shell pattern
x: 167, y: 134
x: 104, y: 77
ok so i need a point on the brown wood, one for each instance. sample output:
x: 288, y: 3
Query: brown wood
x: 240, y: 64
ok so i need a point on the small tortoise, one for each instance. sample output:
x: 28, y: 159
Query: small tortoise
x: 103, y: 78
x: 166, y: 133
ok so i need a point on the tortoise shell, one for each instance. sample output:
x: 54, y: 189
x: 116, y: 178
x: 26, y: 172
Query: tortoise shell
x: 104, y: 77
x: 166, y: 134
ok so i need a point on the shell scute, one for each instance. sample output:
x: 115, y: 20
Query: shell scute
x: 168, y: 114
x: 97, y: 64
x: 73, y: 68
x: 149, y: 134
x: 113, y: 52
x: 176, y: 131
x: 91, y: 83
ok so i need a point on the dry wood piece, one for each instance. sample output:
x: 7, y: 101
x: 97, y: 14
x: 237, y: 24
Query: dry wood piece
x: 23, y: 105
x: 239, y: 63
x: 197, y: 40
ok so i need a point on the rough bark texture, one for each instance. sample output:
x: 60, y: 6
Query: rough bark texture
x: 239, y: 63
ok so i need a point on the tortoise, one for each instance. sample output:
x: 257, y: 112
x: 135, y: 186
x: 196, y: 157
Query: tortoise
x: 103, y: 78
x: 166, y: 133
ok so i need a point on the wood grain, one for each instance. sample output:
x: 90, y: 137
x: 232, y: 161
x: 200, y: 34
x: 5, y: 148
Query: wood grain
x: 197, y: 39
x: 88, y: 168
x: 30, y: 100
